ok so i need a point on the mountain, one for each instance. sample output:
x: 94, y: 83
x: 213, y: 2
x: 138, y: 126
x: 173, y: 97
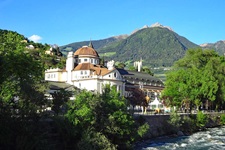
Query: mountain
x: 219, y: 47
x: 97, y: 43
x: 156, y: 45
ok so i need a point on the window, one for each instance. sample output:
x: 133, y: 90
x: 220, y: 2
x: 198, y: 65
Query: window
x: 109, y: 75
x: 115, y: 74
x: 79, y: 60
x: 81, y: 72
x: 85, y: 60
x: 85, y: 72
x: 91, y: 60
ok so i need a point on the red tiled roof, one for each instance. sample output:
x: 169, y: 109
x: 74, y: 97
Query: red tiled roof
x: 98, y: 69
x: 85, y: 50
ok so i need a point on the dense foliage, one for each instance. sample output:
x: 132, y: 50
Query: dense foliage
x: 222, y: 119
x: 197, y: 81
x: 104, y: 119
x: 21, y: 93
x: 201, y: 119
x: 21, y: 74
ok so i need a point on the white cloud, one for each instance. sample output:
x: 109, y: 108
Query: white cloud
x: 35, y: 38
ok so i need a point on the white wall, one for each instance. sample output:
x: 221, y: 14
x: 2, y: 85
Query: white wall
x: 87, y: 84
x: 94, y: 61
x: 81, y: 74
x: 114, y: 75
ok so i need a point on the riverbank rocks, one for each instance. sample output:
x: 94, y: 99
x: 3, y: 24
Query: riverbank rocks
x: 180, y: 133
x: 159, y: 125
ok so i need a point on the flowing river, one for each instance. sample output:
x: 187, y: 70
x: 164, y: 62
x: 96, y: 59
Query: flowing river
x: 212, y: 139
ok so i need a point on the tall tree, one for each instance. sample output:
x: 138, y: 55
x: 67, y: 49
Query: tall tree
x: 106, y: 116
x: 60, y: 98
x: 21, y: 75
x: 195, y: 79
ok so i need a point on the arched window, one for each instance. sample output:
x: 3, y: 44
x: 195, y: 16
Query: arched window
x: 115, y: 74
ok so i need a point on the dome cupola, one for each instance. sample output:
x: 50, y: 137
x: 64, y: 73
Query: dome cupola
x: 86, y: 54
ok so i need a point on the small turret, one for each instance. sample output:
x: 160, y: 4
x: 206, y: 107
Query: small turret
x: 69, y: 66
x: 70, y: 61
x: 91, y: 45
x: 138, y: 65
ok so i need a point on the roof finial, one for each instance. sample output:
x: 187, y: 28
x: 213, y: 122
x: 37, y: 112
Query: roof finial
x: 90, y: 44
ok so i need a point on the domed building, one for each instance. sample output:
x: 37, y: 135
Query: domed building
x: 83, y: 70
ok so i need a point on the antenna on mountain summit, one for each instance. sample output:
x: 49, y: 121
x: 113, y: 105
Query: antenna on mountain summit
x: 90, y: 44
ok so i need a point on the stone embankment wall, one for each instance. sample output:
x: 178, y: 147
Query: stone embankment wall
x: 159, y: 125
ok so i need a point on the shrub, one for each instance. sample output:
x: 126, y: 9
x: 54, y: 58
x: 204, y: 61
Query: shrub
x: 174, y: 121
x: 222, y: 119
x: 201, y: 119
x: 188, y: 124
x: 142, y: 130
x: 93, y: 140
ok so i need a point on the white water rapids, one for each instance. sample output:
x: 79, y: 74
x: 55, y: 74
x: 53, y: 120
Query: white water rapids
x: 212, y: 139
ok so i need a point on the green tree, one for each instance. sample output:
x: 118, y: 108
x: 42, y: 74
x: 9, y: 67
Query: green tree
x: 60, y: 98
x: 21, y: 93
x: 20, y: 77
x: 92, y: 140
x: 147, y: 70
x: 222, y: 119
x: 201, y: 119
x: 175, y: 120
x: 132, y: 68
x: 120, y: 65
x: 105, y: 115
x: 195, y: 79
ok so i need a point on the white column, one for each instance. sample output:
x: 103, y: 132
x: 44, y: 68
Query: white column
x: 69, y: 66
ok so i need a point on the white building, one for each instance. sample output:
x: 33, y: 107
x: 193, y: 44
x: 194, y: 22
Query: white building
x: 84, y: 72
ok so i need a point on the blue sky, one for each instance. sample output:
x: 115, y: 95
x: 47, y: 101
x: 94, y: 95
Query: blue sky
x: 65, y: 21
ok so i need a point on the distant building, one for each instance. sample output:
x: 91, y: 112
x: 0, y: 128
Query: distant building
x: 30, y: 47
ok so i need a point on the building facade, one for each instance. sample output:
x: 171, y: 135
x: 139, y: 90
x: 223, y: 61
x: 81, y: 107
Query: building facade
x: 83, y: 70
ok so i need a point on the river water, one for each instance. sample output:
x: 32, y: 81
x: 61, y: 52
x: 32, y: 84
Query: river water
x: 212, y: 139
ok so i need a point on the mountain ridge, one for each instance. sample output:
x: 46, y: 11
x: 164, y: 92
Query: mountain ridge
x: 218, y: 46
x: 157, y: 45
x: 154, y: 43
